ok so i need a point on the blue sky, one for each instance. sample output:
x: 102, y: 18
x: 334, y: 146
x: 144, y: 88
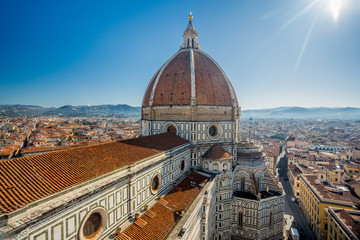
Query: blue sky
x: 55, y: 53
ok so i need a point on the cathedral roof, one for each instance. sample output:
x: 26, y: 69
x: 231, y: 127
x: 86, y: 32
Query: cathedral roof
x: 159, y: 220
x: 217, y: 152
x: 28, y: 179
x: 190, y: 77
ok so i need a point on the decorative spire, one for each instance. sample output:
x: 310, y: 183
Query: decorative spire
x: 190, y: 36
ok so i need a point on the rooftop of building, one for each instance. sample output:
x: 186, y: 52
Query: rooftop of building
x: 349, y: 220
x: 331, y: 192
x: 252, y: 196
x: 160, y: 219
x: 28, y: 179
x: 217, y: 152
x: 295, y: 170
x: 352, y: 165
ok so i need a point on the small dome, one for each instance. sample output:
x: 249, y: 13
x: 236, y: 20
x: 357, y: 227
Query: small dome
x: 217, y: 152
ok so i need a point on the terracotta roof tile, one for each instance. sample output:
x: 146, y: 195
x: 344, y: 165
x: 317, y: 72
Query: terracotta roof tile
x: 211, y: 86
x: 150, y: 214
x: 217, y: 152
x: 141, y: 223
x: 294, y: 169
x: 328, y: 193
x: 28, y: 179
x: 162, y: 219
x: 174, y: 83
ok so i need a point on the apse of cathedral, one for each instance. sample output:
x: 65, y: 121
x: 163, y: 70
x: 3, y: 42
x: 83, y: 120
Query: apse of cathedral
x: 188, y: 176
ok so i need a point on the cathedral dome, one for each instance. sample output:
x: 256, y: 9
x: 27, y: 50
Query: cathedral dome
x: 190, y: 77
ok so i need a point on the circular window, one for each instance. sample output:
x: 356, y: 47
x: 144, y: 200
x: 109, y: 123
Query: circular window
x: 215, y: 131
x: 93, y: 225
x: 182, y: 165
x: 155, y: 183
x: 212, y: 131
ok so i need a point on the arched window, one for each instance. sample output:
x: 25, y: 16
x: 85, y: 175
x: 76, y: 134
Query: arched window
x: 192, y: 42
x: 182, y: 165
x: 242, y: 183
x: 206, y: 165
x: 225, y: 166
x: 216, y: 167
x: 155, y: 184
x: 171, y: 129
x: 188, y: 42
x: 241, y: 216
x: 258, y: 181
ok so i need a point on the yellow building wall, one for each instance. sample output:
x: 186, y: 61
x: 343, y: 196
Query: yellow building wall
x: 334, y: 231
x: 315, y: 212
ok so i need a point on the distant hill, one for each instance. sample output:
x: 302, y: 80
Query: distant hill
x: 304, y: 113
x: 22, y: 110
x: 120, y: 110
x: 123, y: 110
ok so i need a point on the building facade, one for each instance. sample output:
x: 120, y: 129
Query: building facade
x: 316, y: 196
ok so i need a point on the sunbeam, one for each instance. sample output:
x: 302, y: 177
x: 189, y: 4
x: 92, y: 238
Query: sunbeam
x: 305, y: 43
x: 312, y: 4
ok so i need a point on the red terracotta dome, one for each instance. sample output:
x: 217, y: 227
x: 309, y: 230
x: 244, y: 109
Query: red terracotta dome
x: 190, y: 77
x: 172, y: 83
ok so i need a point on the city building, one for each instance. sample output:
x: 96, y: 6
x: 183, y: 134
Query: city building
x: 344, y: 224
x: 352, y: 168
x: 316, y: 195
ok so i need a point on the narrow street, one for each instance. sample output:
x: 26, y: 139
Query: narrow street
x: 293, y: 214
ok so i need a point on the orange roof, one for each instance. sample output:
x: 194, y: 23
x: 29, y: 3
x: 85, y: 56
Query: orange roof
x: 217, y: 152
x: 157, y: 222
x: 28, y: 179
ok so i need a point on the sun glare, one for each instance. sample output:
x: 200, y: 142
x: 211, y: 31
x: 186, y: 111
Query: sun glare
x: 334, y: 7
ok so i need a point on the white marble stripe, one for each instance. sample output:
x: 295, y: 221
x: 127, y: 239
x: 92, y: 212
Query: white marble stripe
x: 192, y: 74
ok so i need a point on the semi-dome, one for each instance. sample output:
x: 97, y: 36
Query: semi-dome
x: 190, y: 77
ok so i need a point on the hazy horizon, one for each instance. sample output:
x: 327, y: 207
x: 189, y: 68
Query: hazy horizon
x: 140, y: 106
